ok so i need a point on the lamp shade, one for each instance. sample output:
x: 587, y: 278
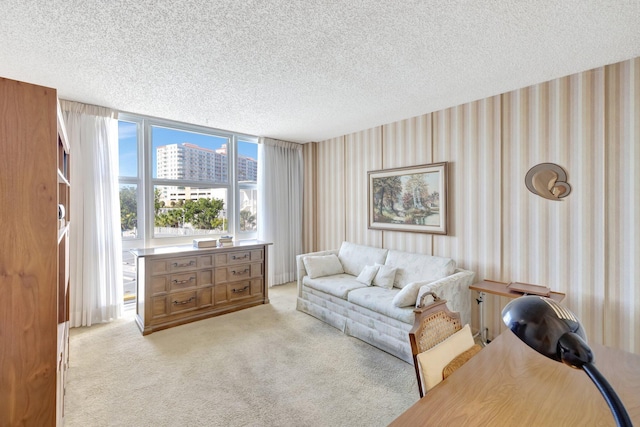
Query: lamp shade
x: 548, y: 328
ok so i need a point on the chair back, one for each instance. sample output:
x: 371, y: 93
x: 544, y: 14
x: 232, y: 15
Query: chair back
x: 433, y: 324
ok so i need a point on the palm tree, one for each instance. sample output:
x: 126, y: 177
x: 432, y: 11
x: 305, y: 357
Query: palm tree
x: 247, y: 220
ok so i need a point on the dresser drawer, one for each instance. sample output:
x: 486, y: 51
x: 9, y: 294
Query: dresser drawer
x: 178, y: 302
x: 172, y: 265
x: 238, y: 272
x: 181, y: 301
x: 176, y: 282
x: 237, y: 257
x: 182, y: 264
x: 232, y: 292
x: 183, y: 281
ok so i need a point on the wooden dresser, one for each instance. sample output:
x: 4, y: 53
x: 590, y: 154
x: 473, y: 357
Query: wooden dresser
x: 181, y: 284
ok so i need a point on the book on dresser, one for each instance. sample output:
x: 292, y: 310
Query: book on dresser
x: 225, y: 241
x: 205, y: 243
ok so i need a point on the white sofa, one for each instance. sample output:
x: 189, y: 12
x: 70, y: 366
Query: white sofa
x: 335, y: 291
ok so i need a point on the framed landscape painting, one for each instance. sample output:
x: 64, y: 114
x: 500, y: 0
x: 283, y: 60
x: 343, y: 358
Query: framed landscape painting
x: 409, y: 199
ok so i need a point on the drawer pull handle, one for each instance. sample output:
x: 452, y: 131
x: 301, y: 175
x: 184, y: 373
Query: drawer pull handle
x: 236, y: 273
x: 192, y: 262
x: 245, y: 256
x: 187, y: 301
x: 237, y: 291
x: 190, y: 279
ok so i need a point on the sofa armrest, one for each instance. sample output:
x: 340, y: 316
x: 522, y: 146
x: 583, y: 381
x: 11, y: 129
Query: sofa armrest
x: 301, y: 271
x: 454, y: 289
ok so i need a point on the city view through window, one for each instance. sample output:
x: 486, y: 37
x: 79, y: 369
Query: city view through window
x: 193, y: 185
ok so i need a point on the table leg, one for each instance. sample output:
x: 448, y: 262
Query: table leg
x: 482, y: 331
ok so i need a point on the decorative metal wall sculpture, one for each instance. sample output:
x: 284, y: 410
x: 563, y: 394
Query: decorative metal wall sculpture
x: 548, y: 180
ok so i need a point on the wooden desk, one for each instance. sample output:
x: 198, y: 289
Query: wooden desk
x: 509, y: 384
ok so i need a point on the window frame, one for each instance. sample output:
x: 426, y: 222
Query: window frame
x: 138, y: 181
x: 146, y: 182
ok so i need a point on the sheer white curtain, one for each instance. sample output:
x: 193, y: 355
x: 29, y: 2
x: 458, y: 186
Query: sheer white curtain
x: 280, y: 174
x: 95, y: 290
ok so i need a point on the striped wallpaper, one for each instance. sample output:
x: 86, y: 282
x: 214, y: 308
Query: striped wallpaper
x: 398, y: 153
x: 587, y: 246
x: 621, y: 204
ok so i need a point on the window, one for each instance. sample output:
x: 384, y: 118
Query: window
x: 178, y: 181
x: 129, y: 211
x: 189, y: 211
x: 247, y: 178
x: 193, y: 181
x: 131, y: 197
x: 191, y: 186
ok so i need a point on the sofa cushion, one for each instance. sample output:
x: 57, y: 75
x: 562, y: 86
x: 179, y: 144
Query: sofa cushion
x: 380, y: 300
x: 385, y: 276
x: 407, y: 295
x: 355, y: 257
x: 339, y: 285
x: 413, y: 267
x: 367, y: 274
x: 322, y: 265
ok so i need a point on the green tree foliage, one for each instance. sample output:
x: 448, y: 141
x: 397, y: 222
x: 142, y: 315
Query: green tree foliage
x: 128, y: 208
x: 387, y: 191
x: 170, y: 218
x: 247, y: 220
x: 157, y: 203
x: 164, y: 217
x: 203, y: 213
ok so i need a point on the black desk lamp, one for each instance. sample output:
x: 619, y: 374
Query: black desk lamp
x: 553, y: 331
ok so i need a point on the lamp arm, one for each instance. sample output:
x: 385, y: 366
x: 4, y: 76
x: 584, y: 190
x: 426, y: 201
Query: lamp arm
x: 615, y: 404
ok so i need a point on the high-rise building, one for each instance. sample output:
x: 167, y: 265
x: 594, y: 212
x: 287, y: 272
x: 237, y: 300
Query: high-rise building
x: 190, y: 162
x: 247, y: 169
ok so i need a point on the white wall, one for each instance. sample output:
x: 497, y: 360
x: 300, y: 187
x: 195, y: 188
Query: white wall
x: 587, y: 246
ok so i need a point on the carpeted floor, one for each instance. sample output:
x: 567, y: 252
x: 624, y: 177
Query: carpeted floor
x: 264, y: 366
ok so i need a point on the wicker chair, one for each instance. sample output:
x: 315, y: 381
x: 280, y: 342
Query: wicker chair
x: 433, y: 324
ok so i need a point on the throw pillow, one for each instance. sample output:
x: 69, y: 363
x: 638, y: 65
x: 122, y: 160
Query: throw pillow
x: 322, y: 265
x: 385, y: 276
x: 407, y: 295
x: 367, y: 274
x: 433, y: 361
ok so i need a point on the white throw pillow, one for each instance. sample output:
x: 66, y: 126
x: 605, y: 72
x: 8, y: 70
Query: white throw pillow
x: 407, y: 295
x: 322, y: 265
x: 367, y: 274
x: 385, y: 276
x: 433, y: 361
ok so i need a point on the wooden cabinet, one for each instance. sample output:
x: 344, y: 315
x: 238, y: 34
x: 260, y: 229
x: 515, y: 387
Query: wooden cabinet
x: 34, y: 273
x: 182, y: 284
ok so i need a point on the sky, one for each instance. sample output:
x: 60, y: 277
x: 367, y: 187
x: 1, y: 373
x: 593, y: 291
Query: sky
x: 127, y: 146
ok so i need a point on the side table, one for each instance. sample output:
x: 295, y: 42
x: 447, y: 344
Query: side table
x: 500, y: 289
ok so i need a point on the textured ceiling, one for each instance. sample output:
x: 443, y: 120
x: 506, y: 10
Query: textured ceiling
x: 305, y: 70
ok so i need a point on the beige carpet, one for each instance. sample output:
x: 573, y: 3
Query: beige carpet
x: 264, y: 366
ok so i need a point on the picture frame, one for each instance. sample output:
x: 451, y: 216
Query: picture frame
x: 410, y: 199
